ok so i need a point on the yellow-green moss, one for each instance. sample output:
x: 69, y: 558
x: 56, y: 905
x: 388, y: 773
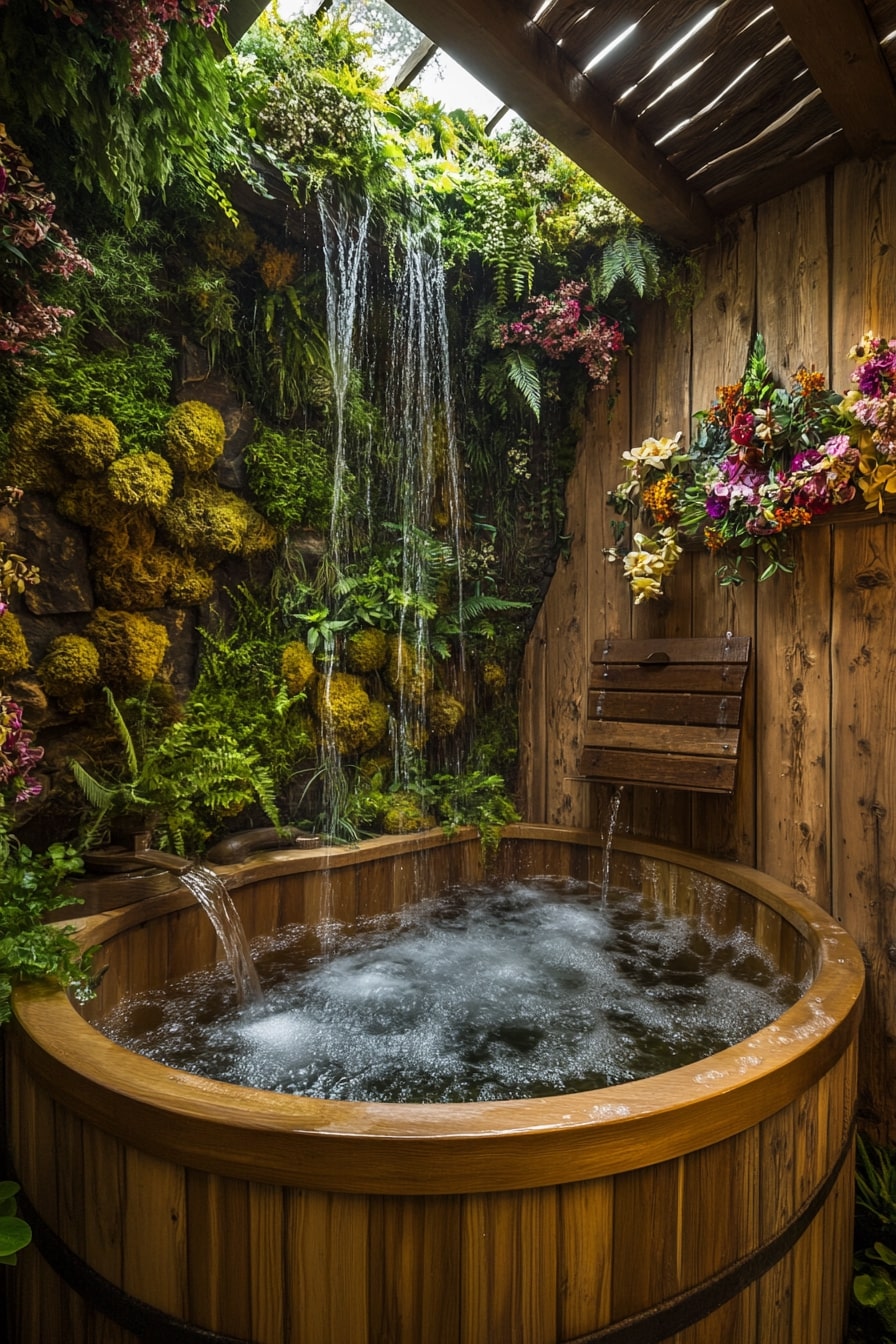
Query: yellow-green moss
x: 70, y: 670
x: 344, y: 710
x: 142, y: 480
x: 194, y: 437
x: 210, y: 521
x: 443, y: 713
x: 296, y: 667
x: 407, y: 671
x: 86, y: 444
x: 405, y: 815
x: 190, y: 585
x: 366, y: 650
x: 31, y: 463
x: 129, y: 571
x: 132, y: 648
x: 494, y: 678
x: 14, y: 656
x: 376, y: 727
x: 86, y: 502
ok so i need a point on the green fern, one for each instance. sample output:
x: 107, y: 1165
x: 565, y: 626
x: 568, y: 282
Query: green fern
x: 633, y: 257
x: 522, y: 372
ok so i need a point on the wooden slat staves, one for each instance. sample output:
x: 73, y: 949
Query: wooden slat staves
x: 666, y: 712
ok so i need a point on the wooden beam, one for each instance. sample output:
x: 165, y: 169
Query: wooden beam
x: 836, y: 40
x: 496, y: 42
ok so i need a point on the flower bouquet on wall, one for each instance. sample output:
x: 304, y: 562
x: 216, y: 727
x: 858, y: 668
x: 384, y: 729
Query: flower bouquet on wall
x: 764, y: 461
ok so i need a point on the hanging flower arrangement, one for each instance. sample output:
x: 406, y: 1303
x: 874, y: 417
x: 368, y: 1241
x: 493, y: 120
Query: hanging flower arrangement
x: 565, y: 323
x: 764, y: 461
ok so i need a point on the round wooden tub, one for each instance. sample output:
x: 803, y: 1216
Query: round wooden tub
x: 710, y: 1204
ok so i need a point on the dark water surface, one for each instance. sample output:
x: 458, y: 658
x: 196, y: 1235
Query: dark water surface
x: 531, y: 988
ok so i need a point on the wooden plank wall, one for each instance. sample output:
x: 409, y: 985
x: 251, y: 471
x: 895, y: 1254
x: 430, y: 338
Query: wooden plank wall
x: 816, y: 798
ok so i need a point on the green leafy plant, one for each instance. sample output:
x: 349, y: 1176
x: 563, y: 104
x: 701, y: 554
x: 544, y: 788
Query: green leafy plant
x: 15, y: 1234
x: 874, y: 1285
x: 475, y: 799
x: 31, y: 885
x: 289, y: 474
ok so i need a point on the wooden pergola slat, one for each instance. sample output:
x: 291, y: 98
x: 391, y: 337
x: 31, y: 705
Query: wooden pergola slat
x: 523, y: 67
x: 841, y: 49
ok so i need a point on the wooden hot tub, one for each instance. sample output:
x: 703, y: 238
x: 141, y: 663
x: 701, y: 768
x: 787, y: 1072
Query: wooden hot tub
x: 709, y: 1204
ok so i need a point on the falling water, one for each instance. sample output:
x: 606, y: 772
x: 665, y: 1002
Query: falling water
x: 419, y: 471
x: 612, y: 818
x: 212, y: 894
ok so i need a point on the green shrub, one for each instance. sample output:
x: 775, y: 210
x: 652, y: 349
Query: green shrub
x: 290, y: 475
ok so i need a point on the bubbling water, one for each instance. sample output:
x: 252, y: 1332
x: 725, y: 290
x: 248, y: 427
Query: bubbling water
x: 531, y: 988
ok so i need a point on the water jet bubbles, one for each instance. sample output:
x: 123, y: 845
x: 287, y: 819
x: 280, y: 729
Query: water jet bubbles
x: 533, y: 989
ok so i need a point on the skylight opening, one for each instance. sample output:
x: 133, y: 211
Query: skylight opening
x: 542, y: 10
x: 685, y: 38
x: 682, y: 79
x: 611, y: 46
x: 714, y: 103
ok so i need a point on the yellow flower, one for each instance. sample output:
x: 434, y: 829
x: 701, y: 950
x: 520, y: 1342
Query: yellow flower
x: 877, y: 479
x: 862, y: 349
x: 652, y: 452
x: 644, y: 588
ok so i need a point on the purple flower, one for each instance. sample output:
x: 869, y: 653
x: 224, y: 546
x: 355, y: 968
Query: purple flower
x: 716, y: 507
x: 875, y: 376
x: 809, y: 457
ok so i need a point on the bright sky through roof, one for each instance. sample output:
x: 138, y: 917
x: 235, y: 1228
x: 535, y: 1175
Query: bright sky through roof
x: 442, y: 79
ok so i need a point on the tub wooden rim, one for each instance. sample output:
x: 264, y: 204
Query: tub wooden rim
x: 356, y: 1147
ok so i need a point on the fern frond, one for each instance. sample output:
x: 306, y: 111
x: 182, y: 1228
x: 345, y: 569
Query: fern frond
x: 123, y: 732
x: 523, y: 374
x: 477, y: 604
x: 98, y: 795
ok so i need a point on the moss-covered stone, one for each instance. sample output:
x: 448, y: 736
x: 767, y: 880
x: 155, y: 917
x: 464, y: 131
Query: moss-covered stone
x: 407, y: 671
x: 366, y: 650
x: 14, y: 655
x: 190, y: 585
x: 32, y: 465
x: 443, y: 713
x: 70, y: 671
x: 209, y: 521
x: 86, y: 444
x: 343, y: 708
x: 194, y: 437
x: 86, y: 502
x: 494, y: 678
x: 296, y: 666
x: 131, y: 647
x: 377, y: 725
x: 405, y: 814
x: 141, y: 480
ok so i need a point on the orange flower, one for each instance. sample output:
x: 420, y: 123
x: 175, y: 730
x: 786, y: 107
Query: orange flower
x: 659, y: 498
x: 809, y: 381
x: 277, y: 269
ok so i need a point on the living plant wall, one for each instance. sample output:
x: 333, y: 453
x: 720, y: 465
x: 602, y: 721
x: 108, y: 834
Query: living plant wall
x: 291, y: 421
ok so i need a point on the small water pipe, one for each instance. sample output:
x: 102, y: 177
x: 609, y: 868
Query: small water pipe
x: 241, y: 844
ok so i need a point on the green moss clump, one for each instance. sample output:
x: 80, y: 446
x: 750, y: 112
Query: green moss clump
x: 296, y: 666
x: 209, y: 521
x: 343, y: 708
x: 141, y: 480
x: 86, y: 444
x: 407, y: 671
x: 190, y: 585
x: 377, y: 725
x: 14, y: 655
x: 86, y: 502
x: 443, y: 713
x: 129, y: 571
x: 131, y: 647
x: 70, y: 671
x: 29, y: 457
x: 405, y: 815
x: 194, y: 437
x: 366, y: 650
x: 494, y: 678
x: 291, y: 477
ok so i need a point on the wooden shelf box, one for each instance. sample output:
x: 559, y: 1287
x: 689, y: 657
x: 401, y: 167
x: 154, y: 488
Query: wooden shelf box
x: 666, y: 712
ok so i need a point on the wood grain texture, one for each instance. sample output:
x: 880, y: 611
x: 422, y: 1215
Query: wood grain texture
x: 588, y: 1180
